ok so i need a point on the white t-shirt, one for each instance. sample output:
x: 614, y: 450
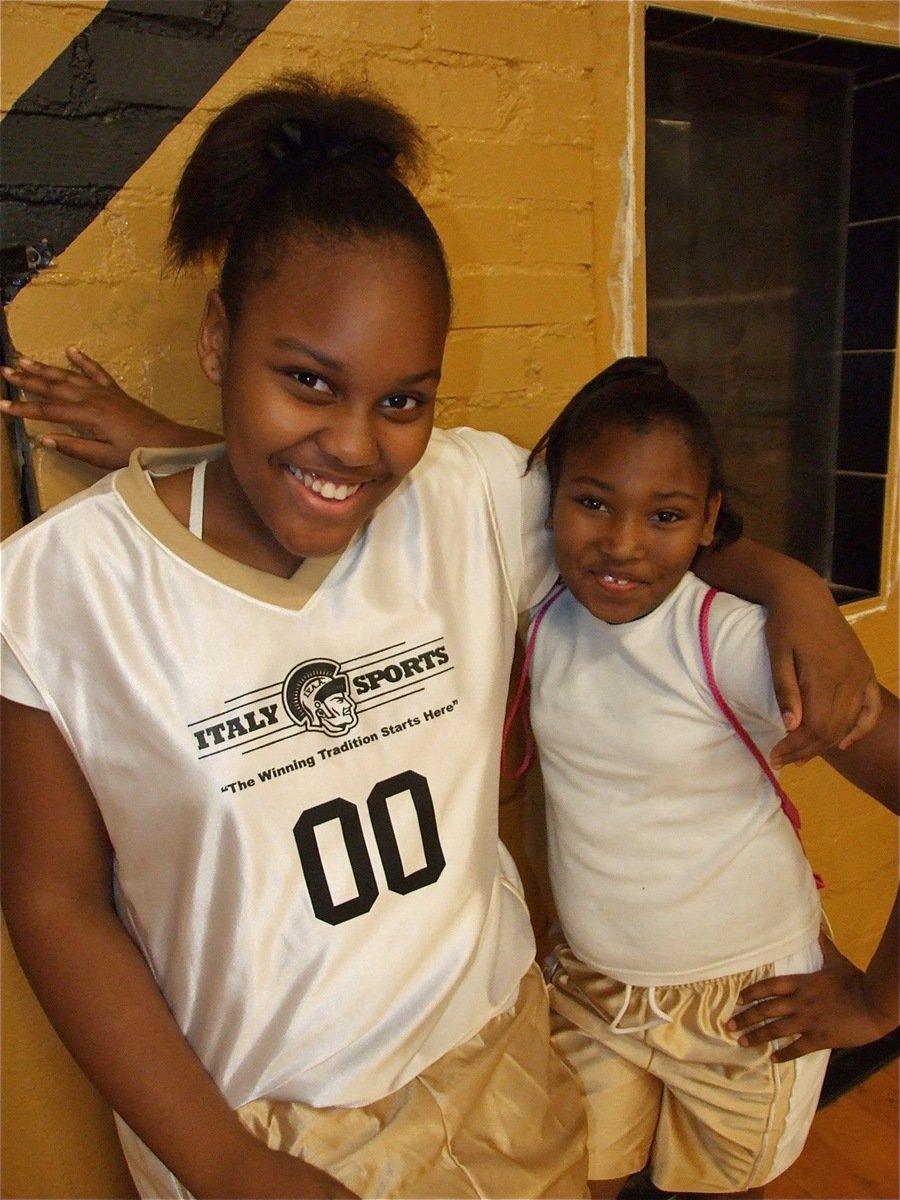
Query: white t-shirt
x: 670, y: 858
x: 299, y: 777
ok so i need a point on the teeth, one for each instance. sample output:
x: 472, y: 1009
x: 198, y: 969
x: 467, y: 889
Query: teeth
x: 325, y: 488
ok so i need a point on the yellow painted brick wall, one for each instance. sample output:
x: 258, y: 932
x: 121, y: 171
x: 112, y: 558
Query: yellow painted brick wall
x: 534, y: 111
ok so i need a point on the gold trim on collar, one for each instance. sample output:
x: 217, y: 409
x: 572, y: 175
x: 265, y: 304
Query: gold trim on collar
x: 135, y: 488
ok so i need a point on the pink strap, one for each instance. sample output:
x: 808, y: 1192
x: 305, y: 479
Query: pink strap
x: 787, y: 805
x: 554, y: 595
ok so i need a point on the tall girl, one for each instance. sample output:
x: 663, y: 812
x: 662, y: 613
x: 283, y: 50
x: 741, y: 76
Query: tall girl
x: 245, y: 864
x: 681, y: 887
x: 253, y: 700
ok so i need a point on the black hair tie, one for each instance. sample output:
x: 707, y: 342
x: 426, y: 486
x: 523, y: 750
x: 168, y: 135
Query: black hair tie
x: 301, y: 146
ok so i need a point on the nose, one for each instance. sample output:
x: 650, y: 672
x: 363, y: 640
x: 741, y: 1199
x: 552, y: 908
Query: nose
x: 349, y: 438
x: 623, y: 538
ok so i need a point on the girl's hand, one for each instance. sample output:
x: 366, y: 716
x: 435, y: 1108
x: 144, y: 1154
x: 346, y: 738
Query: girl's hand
x: 108, y: 423
x: 265, y: 1174
x: 826, y: 688
x: 824, y: 681
x: 829, y: 1007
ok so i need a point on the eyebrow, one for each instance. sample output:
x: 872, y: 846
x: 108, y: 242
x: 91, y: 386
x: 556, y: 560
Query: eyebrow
x: 305, y: 348
x: 335, y: 364
x: 601, y: 485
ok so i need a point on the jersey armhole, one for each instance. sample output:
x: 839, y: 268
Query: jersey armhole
x: 15, y: 682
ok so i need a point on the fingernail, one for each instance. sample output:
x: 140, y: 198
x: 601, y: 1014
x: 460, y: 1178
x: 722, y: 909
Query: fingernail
x: 743, y: 1041
x: 46, y: 443
x: 23, y: 361
x: 5, y: 403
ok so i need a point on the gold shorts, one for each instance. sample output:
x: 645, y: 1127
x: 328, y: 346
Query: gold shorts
x: 500, y: 1116
x: 667, y: 1083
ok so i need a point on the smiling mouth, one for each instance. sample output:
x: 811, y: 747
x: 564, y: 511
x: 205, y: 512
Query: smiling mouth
x: 325, y: 488
x: 620, y: 583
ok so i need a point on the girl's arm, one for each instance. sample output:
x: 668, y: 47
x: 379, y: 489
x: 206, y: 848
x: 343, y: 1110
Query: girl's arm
x: 824, y: 681
x: 110, y: 423
x: 813, y: 652
x: 96, y: 987
x: 838, y: 1005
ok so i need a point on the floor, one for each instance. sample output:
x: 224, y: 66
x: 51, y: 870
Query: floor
x: 852, y: 1150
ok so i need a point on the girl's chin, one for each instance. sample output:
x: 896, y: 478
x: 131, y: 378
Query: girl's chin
x: 318, y: 544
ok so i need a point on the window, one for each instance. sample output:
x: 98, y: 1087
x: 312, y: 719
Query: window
x: 773, y: 203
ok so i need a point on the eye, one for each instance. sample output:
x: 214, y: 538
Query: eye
x: 591, y: 503
x: 668, y: 516
x: 309, y: 379
x: 402, y: 405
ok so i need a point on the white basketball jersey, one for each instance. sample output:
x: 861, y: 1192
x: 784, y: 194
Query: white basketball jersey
x: 299, y: 777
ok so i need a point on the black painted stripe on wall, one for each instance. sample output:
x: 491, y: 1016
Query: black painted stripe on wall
x: 102, y: 108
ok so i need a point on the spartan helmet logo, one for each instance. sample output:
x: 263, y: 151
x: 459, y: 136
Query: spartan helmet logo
x: 316, y: 696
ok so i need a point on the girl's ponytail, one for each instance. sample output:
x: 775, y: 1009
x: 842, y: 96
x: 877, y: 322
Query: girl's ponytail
x: 335, y: 158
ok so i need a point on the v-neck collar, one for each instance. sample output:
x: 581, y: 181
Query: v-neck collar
x: 135, y: 488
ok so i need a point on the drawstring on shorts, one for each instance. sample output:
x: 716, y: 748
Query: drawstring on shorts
x: 662, y: 1018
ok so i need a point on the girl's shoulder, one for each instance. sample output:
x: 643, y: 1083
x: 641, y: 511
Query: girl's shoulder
x: 493, y: 453
x: 71, y: 515
x: 727, y: 616
x: 85, y: 527
x: 48, y: 562
x: 495, y: 466
x: 735, y: 630
x: 491, y: 472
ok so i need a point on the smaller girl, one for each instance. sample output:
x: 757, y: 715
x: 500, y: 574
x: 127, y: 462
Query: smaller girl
x: 682, y: 890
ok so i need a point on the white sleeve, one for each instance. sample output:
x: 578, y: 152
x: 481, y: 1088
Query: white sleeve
x: 740, y: 659
x: 520, y: 507
x: 15, y: 684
